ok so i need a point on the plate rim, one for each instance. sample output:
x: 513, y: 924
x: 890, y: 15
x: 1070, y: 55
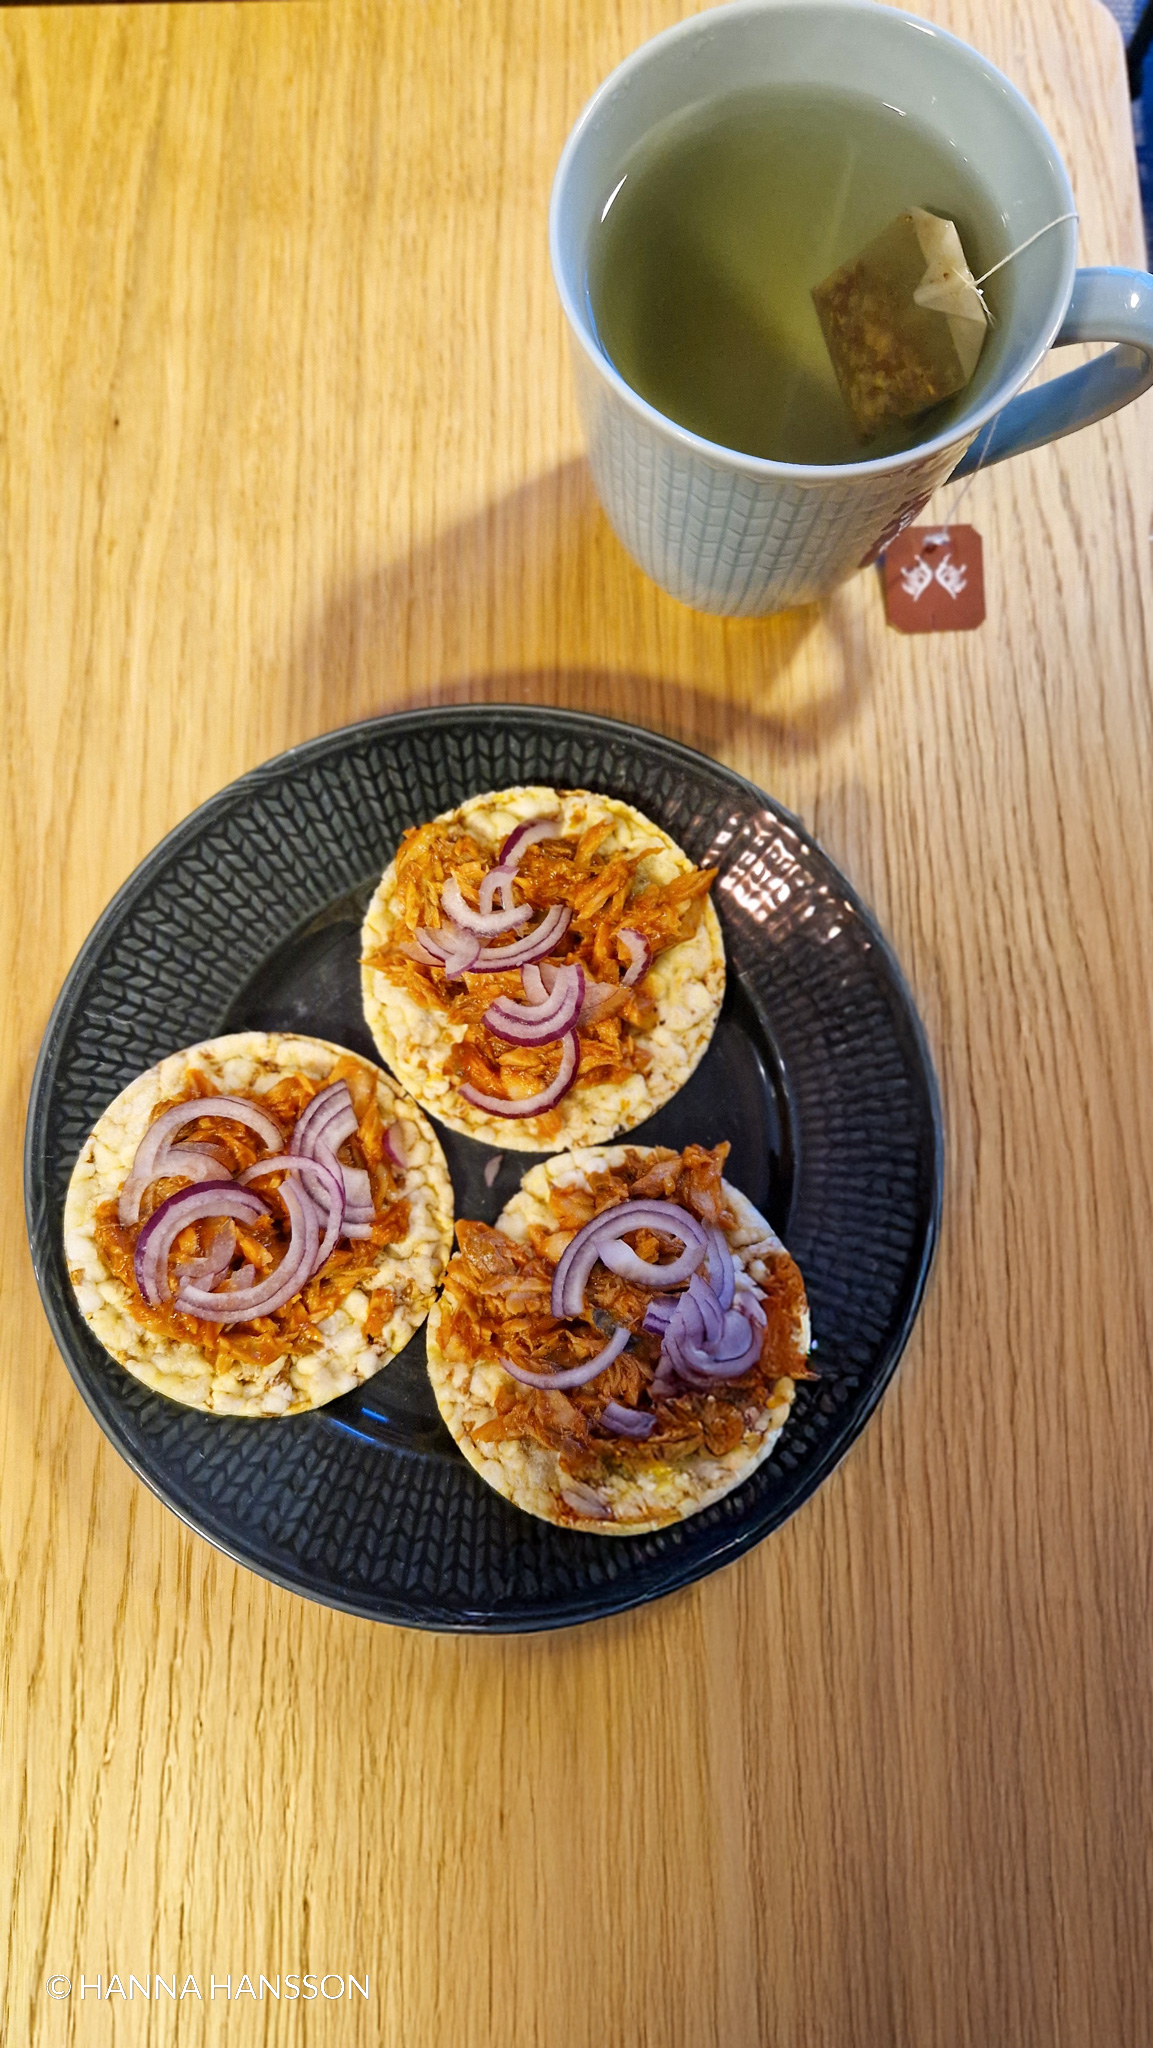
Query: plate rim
x: 606, y: 1600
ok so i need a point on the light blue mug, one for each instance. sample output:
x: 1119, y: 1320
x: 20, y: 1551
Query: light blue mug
x: 742, y: 536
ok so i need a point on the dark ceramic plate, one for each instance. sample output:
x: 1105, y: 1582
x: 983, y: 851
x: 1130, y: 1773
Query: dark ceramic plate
x: 249, y: 914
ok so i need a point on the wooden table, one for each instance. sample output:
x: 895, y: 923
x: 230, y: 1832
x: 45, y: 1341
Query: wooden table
x: 287, y: 437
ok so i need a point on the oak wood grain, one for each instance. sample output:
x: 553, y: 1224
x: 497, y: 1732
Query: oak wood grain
x: 287, y: 437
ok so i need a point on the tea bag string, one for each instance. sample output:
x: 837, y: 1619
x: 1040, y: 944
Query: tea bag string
x: 1022, y: 246
x: 940, y: 534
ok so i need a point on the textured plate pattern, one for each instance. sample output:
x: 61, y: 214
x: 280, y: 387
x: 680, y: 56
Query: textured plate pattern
x: 818, y: 1072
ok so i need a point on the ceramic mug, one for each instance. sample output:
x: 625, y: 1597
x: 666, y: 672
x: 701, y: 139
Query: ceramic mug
x: 740, y: 535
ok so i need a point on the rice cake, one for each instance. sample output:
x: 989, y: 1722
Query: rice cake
x: 685, y: 982
x: 630, y: 1496
x: 255, y: 1062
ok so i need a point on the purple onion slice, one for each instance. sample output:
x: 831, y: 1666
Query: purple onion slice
x: 664, y: 1216
x: 640, y: 956
x: 207, y: 1270
x: 580, y: 1256
x: 532, y: 1105
x: 538, y: 1023
x: 470, y: 920
x: 526, y: 835
x: 498, y: 882
x: 535, y: 945
x: 627, y: 1421
x: 241, y: 1304
x: 721, y: 1267
x: 574, y: 1375
x: 455, y: 952
x: 155, y: 1142
x: 190, y: 1205
x: 659, y: 1313
x: 322, y: 1187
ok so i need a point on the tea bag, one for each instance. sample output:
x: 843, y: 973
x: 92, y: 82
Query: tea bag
x: 904, y: 322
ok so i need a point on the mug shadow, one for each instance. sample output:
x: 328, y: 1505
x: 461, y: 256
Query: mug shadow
x: 534, y: 600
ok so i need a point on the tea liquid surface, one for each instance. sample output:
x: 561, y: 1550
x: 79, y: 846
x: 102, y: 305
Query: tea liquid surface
x: 726, y: 216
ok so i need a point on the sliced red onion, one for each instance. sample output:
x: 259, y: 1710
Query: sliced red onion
x: 241, y: 1304
x: 189, y: 1205
x: 422, y: 956
x: 597, y: 993
x: 492, y: 1169
x: 665, y: 1216
x: 659, y: 1313
x: 584, y: 1502
x: 243, y: 1277
x: 532, y: 1105
x: 578, y: 1258
x: 736, y: 1348
x: 470, y: 920
x: 538, y: 982
x: 328, y: 1122
x: 155, y: 1142
x: 538, y: 1023
x: 207, y: 1269
x: 329, y: 1103
x: 455, y: 952
x: 534, y: 945
x: 574, y: 1375
x: 322, y: 1187
x: 498, y: 882
x: 394, y: 1148
x: 640, y: 956
x: 721, y: 1267
x: 708, y: 1306
x: 627, y: 1421
x: 526, y: 835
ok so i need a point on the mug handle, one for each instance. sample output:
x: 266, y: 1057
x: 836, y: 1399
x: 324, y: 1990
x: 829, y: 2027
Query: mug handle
x: 1107, y: 305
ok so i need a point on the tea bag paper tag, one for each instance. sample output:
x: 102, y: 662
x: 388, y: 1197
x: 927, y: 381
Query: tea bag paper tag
x: 935, y: 580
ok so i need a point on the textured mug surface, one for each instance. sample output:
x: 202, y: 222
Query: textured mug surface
x: 740, y: 535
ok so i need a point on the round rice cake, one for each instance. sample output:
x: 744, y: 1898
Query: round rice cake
x: 361, y: 1334
x: 626, y: 1493
x: 686, y: 983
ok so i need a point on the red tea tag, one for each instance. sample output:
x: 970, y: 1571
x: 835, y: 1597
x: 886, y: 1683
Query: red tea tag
x: 935, y: 580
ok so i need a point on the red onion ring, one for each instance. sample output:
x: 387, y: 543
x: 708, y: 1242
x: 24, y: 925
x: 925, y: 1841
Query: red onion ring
x: 455, y: 952
x: 324, y: 1182
x: 523, y: 836
x: 156, y: 1137
x: 328, y: 1122
x: 241, y: 1304
x: 627, y: 1264
x: 574, y: 1375
x: 469, y: 920
x: 640, y: 956
x: 597, y: 993
x: 215, y: 1261
x: 522, y: 1024
x: 532, y: 1105
x: 534, y: 945
x: 498, y: 882
x: 580, y: 1256
x: 632, y: 1422
x: 394, y: 1149
x: 188, y: 1205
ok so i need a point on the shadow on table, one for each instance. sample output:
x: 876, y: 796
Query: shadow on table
x: 533, y: 600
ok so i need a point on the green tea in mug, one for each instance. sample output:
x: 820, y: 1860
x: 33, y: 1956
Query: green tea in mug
x: 718, y: 227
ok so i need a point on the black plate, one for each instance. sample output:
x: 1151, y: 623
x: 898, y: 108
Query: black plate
x: 249, y: 914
